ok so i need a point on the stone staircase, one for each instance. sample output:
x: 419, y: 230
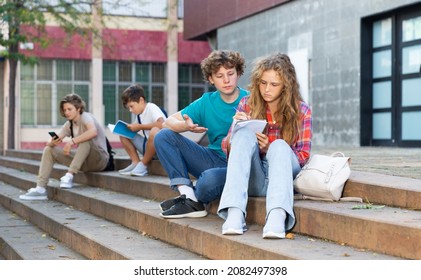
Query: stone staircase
x: 109, y: 216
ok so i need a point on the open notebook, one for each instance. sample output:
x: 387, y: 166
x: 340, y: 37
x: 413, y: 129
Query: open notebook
x: 257, y: 126
x: 120, y: 128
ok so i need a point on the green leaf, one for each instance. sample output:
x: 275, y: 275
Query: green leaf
x: 367, y: 206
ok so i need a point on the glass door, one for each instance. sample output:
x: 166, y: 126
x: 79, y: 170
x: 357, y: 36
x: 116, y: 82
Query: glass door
x: 383, y: 111
x: 409, y: 78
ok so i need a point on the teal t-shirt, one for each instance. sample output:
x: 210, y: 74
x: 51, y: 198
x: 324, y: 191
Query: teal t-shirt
x: 215, y: 114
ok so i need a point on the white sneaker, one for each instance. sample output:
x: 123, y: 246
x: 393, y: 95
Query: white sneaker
x: 127, y: 170
x: 66, y: 182
x: 139, y: 170
x: 33, y: 194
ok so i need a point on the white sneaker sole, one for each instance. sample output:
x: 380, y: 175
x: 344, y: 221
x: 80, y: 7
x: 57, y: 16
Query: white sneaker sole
x: 195, y: 214
x: 232, y: 231
x: 25, y: 197
x: 139, y: 174
x: 125, y: 173
x: 273, y: 235
x: 66, y: 186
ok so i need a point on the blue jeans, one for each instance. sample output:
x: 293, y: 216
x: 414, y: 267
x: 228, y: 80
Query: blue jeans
x: 249, y: 175
x: 180, y: 156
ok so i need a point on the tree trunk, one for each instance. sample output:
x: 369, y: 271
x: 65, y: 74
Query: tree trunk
x: 12, y: 100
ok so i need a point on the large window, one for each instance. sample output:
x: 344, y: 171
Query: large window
x: 139, y: 8
x: 45, y: 84
x: 190, y: 84
x: 117, y: 76
x: 390, y: 67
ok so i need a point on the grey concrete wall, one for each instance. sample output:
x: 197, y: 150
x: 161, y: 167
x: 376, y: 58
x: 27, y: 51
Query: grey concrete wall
x: 330, y: 32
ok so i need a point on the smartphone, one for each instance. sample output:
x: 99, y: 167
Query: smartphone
x: 53, y: 134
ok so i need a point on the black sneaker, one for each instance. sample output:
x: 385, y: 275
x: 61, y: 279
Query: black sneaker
x: 185, y: 208
x: 167, y: 204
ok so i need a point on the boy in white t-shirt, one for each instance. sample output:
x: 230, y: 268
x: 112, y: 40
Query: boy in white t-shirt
x: 149, y: 120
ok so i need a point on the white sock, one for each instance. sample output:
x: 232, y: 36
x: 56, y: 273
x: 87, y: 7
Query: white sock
x: 70, y: 175
x: 40, y: 189
x: 188, y: 191
x: 275, y: 221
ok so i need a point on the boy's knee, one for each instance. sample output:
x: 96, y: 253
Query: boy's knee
x: 210, y: 184
x: 158, y: 136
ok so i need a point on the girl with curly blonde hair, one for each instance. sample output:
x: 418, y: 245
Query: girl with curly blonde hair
x: 265, y: 164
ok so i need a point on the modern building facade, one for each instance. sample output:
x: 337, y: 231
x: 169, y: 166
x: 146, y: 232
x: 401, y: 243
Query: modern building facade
x: 142, y: 43
x: 358, y: 62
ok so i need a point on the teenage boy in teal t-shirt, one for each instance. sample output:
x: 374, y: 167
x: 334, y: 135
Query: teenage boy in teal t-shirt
x: 212, y: 113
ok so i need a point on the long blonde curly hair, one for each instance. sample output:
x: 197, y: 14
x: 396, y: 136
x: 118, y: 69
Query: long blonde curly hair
x: 288, y: 114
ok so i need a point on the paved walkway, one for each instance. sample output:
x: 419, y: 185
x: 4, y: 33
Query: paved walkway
x: 404, y: 162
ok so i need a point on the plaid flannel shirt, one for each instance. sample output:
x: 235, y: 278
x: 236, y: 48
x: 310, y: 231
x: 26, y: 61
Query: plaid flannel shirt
x: 301, y: 147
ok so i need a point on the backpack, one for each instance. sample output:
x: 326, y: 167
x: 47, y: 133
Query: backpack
x: 164, y: 112
x: 110, y: 165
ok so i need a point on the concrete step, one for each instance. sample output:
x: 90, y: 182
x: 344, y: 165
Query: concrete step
x: 353, y: 223
x: 89, y: 235
x: 120, y: 162
x: 20, y: 240
x: 376, y: 188
x: 385, y: 189
x: 203, y: 236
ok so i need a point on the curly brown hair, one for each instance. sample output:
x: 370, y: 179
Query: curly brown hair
x: 216, y: 59
x: 288, y: 114
x: 73, y: 99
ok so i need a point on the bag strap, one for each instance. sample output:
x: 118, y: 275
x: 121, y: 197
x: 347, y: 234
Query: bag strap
x: 71, y: 128
x: 337, y: 154
x: 340, y: 154
x: 351, y: 199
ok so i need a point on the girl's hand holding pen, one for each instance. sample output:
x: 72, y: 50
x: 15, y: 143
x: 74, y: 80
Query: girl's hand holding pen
x: 240, y: 115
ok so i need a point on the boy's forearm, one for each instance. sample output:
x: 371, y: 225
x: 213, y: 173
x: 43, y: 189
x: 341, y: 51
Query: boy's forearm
x: 175, y: 124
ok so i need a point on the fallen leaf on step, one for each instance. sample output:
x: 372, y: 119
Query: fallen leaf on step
x: 51, y: 247
x: 290, y: 235
x: 367, y: 206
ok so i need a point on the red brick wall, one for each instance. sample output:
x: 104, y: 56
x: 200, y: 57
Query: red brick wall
x: 128, y: 45
x: 135, y: 45
x: 192, y: 51
x: 61, y: 46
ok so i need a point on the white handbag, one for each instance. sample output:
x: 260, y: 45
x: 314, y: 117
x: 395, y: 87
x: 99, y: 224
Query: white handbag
x: 323, y: 177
